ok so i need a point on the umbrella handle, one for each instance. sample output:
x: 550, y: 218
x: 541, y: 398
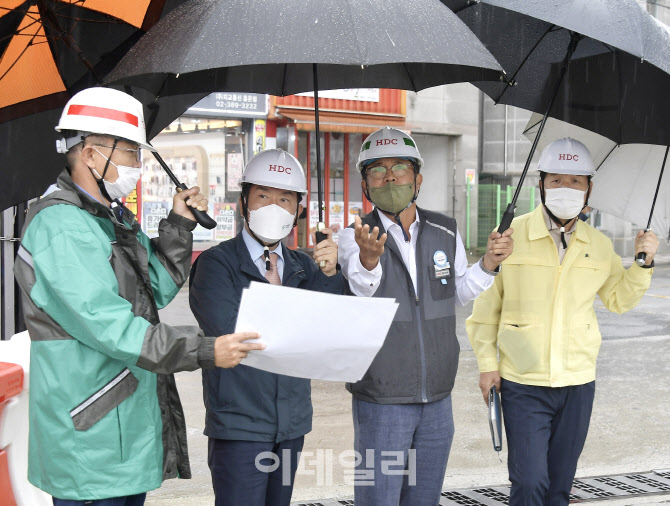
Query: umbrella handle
x: 204, y: 219
x: 320, y: 236
x: 641, y: 257
x: 507, y: 218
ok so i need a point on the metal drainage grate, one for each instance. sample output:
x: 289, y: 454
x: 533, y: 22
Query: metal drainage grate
x: 645, y: 480
x: 583, y: 490
x: 589, y: 490
x: 458, y: 498
x: 492, y: 493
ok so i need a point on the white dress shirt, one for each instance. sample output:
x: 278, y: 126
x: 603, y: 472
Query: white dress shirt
x: 256, y: 252
x: 555, y: 233
x: 470, y: 282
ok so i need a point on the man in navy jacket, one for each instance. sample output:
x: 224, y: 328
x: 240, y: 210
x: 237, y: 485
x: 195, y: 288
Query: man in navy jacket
x: 250, y: 411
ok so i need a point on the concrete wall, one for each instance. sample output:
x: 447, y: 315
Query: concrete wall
x: 496, y: 120
x: 444, y: 122
x: 660, y: 9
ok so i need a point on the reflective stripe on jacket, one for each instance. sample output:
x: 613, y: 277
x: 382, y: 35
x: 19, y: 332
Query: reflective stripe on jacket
x: 539, y: 314
x: 102, y: 422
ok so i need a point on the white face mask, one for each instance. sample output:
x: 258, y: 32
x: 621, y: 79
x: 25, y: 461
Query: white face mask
x: 125, y: 183
x: 271, y: 223
x: 564, y: 203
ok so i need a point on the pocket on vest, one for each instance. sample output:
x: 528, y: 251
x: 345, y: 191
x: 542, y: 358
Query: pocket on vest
x: 441, y: 302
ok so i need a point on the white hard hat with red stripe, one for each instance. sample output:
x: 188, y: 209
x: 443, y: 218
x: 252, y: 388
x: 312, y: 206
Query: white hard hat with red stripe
x: 275, y: 168
x: 388, y: 142
x: 102, y: 111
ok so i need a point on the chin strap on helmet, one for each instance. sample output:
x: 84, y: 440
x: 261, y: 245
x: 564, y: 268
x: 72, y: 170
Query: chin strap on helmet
x: 101, y: 182
x: 558, y: 221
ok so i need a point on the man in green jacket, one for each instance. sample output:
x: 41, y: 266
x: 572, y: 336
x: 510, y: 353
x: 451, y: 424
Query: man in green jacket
x: 106, y: 423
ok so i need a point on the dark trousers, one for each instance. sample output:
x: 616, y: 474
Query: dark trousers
x: 253, y: 473
x: 546, y: 429
x: 131, y: 500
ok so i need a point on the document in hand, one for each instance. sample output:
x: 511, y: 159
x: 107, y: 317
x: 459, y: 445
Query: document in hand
x: 495, y: 418
x: 311, y: 334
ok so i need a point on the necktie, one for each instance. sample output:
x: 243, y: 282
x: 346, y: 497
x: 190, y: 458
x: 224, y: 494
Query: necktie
x: 272, y: 275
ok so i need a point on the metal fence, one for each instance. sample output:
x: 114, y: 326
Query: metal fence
x: 492, y: 201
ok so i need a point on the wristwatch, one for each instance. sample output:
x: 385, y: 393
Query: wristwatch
x: 486, y: 271
x: 648, y: 266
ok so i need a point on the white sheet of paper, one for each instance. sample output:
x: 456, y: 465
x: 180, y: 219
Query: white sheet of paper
x: 311, y: 334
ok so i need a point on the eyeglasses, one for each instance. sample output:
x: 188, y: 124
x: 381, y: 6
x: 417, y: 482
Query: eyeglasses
x: 399, y: 170
x: 137, y: 150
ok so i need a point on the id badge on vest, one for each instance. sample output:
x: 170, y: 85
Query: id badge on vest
x: 441, y: 269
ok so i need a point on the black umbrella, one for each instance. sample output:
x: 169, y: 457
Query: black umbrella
x: 49, y: 50
x: 603, y: 66
x: 291, y: 46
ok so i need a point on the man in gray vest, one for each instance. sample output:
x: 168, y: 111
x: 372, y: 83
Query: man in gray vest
x: 402, y: 414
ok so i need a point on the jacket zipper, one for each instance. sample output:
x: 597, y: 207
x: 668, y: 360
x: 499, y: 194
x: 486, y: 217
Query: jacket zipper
x: 417, y: 254
x: 419, y: 324
x: 424, y: 397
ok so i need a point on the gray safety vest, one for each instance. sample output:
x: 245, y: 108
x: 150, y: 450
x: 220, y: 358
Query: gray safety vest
x: 419, y: 358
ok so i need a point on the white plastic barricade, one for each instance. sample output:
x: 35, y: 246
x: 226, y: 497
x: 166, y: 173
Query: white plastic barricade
x: 14, y: 425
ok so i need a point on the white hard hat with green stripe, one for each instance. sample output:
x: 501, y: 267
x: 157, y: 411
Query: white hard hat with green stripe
x: 388, y: 142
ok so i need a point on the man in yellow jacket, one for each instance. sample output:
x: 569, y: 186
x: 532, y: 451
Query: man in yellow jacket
x: 535, y: 332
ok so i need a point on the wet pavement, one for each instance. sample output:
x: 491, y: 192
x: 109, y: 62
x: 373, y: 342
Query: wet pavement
x: 627, y: 436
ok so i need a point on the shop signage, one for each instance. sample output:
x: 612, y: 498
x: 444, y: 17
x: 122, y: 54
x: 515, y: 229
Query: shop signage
x: 153, y: 213
x: 224, y: 214
x: 231, y: 104
x: 359, y: 94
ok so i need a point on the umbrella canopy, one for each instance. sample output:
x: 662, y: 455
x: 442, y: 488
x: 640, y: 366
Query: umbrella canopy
x: 626, y: 178
x: 618, y: 72
x: 49, y: 50
x: 269, y: 47
x: 603, y: 66
x: 292, y: 46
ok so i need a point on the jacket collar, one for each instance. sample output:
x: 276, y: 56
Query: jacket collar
x: 84, y: 201
x: 291, y: 265
x: 247, y: 265
x: 537, y: 228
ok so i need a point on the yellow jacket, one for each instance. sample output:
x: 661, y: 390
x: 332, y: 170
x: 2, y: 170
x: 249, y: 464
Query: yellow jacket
x: 539, y: 313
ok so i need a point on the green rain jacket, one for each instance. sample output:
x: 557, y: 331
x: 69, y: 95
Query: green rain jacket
x: 105, y: 415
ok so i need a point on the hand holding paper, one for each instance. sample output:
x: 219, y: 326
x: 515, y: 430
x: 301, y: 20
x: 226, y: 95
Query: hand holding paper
x: 298, y: 343
x: 229, y: 350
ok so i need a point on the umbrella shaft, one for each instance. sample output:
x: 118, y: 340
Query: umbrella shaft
x: 166, y: 168
x: 318, y: 142
x: 658, y: 187
x: 574, y: 40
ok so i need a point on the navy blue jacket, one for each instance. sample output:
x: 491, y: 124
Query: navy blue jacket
x: 244, y: 403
